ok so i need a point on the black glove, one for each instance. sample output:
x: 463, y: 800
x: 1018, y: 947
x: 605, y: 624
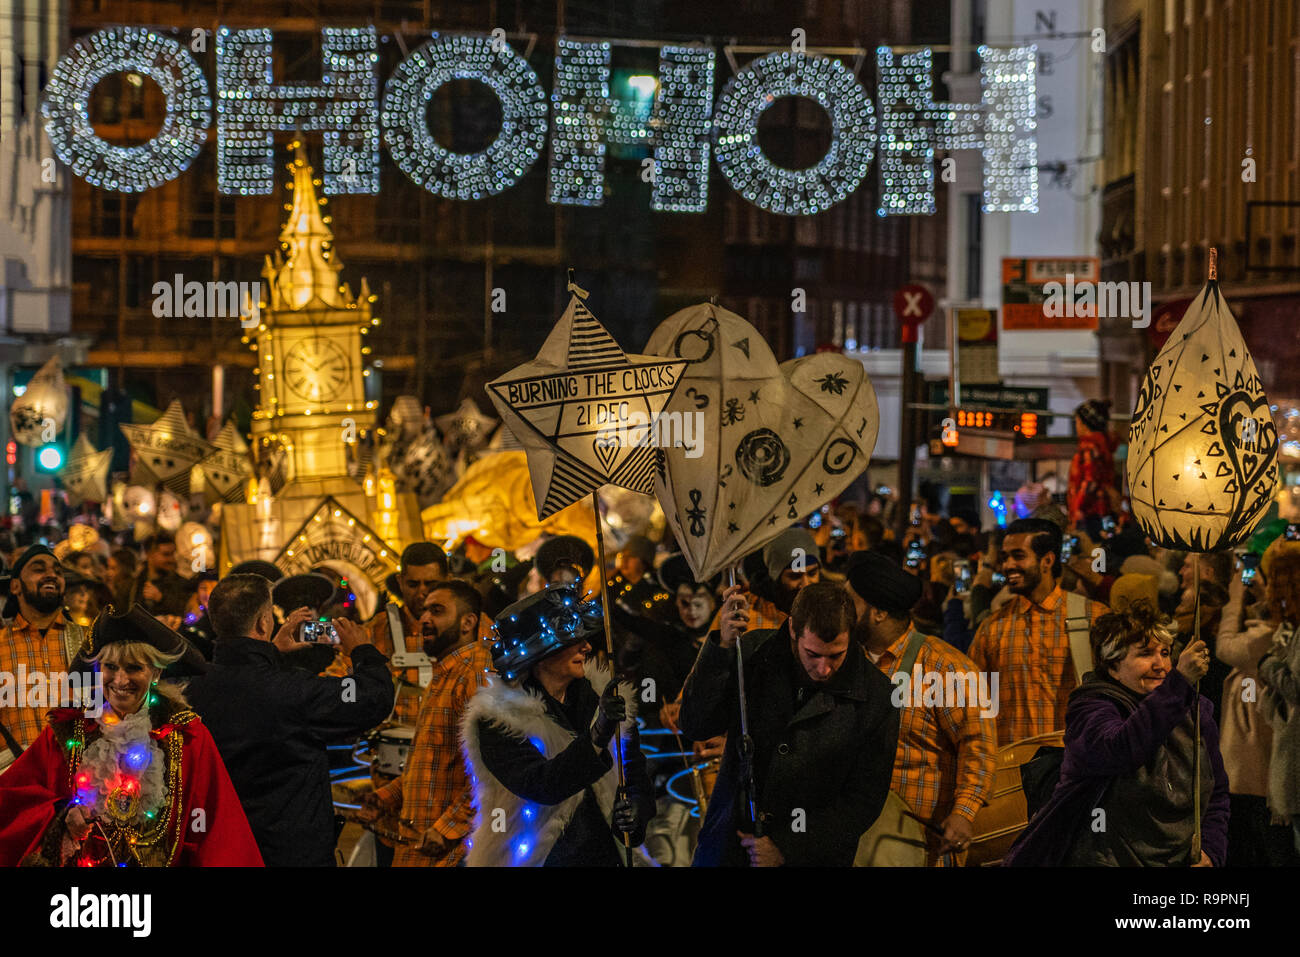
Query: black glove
x: 625, y: 816
x: 611, y: 710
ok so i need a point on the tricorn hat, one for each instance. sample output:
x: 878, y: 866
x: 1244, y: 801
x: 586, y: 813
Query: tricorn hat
x: 256, y: 566
x: 540, y: 625
x: 138, y: 625
x: 308, y: 590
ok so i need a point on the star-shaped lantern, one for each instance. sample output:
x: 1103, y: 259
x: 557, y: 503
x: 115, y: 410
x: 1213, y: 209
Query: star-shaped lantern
x: 225, y: 473
x: 85, y: 477
x: 585, y: 412
x: 166, y: 450
x: 467, y: 427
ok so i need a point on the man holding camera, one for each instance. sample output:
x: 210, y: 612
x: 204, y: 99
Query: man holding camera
x: 272, y: 724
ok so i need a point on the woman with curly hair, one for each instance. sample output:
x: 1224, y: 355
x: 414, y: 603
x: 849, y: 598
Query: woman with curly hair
x: 1125, y: 794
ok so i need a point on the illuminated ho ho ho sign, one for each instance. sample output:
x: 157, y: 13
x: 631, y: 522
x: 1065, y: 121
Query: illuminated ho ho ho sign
x: 683, y: 128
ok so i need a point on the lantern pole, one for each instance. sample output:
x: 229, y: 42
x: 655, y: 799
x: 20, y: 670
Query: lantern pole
x: 1196, y: 703
x: 1213, y: 275
x: 609, y: 649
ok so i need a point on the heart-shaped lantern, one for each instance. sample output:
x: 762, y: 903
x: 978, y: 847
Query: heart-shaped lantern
x: 1202, y: 461
x: 770, y: 444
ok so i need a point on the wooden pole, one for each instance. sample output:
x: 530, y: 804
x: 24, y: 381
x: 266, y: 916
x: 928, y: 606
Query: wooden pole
x: 609, y: 648
x: 1196, y: 704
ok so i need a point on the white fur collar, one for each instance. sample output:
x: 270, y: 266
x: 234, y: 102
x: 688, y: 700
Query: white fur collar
x: 509, y: 831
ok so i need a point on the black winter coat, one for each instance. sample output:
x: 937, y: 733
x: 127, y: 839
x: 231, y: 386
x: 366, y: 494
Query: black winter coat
x: 832, y: 759
x: 271, y: 724
x: 588, y: 840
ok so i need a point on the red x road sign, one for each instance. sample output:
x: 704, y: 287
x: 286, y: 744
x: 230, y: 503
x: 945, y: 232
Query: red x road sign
x: 913, y: 305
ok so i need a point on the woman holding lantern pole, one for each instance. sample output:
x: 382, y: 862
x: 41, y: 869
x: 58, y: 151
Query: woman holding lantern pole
x: 539, y: 743
x: 1125, y: 795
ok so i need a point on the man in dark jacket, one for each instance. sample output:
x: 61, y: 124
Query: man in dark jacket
x: 823, y: 729
x: 158, y: 587
x: 272, y: 723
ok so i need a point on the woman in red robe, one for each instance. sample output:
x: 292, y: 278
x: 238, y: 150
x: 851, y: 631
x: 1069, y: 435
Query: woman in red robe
x: 142, y: 784
x: 1094, y: 485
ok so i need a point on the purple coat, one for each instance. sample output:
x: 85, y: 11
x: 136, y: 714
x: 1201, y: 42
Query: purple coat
x: 1104, y: 742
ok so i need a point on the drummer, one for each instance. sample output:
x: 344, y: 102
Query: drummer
x: 433, y: 794
x: 395, y: 629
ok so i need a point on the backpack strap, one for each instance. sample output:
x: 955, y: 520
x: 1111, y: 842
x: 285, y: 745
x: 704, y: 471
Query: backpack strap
x: 402, y: 656
x: 910, y: 653
x: 1078, y: 627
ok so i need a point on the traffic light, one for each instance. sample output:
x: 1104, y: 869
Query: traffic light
x: 50, y: 457
x: 1028, y: 425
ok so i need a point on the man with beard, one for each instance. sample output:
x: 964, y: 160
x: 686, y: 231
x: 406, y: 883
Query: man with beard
x: 823, y: 728
x: 433, y: 794
x: 1027, y: 640
x: 40, y: 640
x: 945, y: 761
x: 792, y: 560
x: 395, y: 629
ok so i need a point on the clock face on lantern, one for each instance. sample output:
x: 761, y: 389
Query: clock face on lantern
x: 316, y: 370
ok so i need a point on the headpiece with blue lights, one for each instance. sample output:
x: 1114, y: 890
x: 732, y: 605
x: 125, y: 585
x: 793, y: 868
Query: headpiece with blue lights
x: 540, y: 625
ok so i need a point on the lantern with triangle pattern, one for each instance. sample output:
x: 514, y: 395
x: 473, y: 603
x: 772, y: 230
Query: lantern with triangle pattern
x: 1202, y: 461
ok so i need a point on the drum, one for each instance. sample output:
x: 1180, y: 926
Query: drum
x: 389, y: 748
x: 999, y: 823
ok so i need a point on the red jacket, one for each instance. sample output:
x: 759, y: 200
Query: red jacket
x: 1093, y: 488
x: 37, y: 787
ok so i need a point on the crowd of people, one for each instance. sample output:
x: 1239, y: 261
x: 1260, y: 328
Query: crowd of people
x: 846, y: 677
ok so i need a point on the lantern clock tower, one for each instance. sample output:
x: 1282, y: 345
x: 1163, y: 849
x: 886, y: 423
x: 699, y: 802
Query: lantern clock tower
x: 305, y: 512
x: 309, y: 344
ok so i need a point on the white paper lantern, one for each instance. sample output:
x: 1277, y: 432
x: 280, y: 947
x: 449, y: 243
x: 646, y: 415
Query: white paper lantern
x: 36, y: 416
x: 1202, y: 461
x: 194, y: 549
x: 763, y: 444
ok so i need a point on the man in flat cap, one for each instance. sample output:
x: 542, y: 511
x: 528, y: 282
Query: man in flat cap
x: 823, y: 730
x: 40, y: 641
x: 945, y: 761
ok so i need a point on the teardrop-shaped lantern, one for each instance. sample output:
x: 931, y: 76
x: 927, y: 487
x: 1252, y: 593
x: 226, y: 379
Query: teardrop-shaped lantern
x: 1202, y: 461
x: 38, y: 415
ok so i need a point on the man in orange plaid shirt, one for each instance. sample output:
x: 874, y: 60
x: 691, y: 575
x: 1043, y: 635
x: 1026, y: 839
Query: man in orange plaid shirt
x: 37, y: 640
x: 1026, y: 640
x: 423, y: 566
x: 945, y: 761
x: 432, y: 798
